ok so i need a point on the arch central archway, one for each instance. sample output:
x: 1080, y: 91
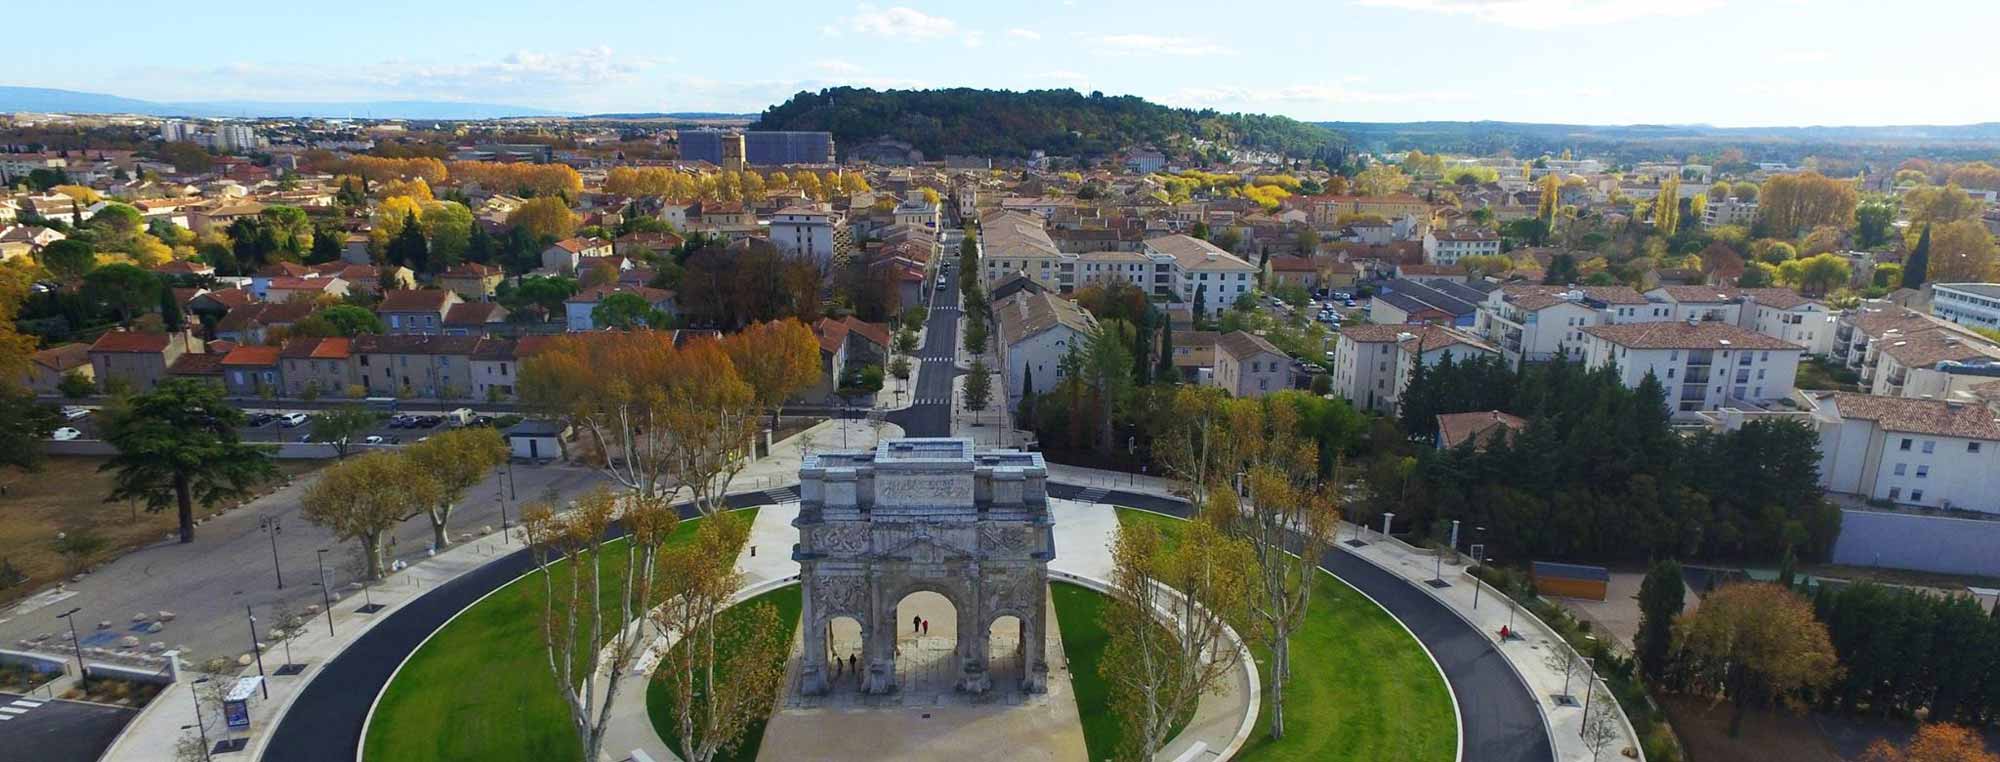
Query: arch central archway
x: 926, y: 525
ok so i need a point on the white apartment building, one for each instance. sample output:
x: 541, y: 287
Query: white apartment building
x: 805, y: 231
x: 1198, y: 267
x: 1702, y: 366
x: 1448, y: 246
x: 1779, y: 313
x: 1529, y: 323
x: 1036, y: 329
x: 1973, y: 304
x: 1929, y: 453
x: 1012, y: 242
x: 1728, y: 212
x: 1371, y: 363
x: 1901, y: 353
x: 919, y: 212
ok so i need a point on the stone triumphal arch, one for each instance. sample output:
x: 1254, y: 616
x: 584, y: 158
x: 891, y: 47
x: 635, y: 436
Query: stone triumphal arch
x: 924, y: 515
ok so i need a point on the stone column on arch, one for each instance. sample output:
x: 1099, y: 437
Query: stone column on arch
x: 879, y: 635
x: 812, y: 660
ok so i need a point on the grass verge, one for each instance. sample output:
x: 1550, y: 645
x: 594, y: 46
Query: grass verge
x: 481, y: 687
x: 659, y: 697
x: 1361, y: 689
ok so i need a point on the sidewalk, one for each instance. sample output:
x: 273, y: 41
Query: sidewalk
x: 1527, y: 653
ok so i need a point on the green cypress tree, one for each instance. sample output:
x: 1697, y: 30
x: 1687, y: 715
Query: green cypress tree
x: 1917, y: 267
x: 1166, y: 371
x: 1661, y: 597
x: 171, y: 314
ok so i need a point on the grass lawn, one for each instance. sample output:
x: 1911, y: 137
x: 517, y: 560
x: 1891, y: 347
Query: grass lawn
x: 67, y: 495
x: 659, y: 698
x: 1361, y: 688
x: 481, y: 688
x: 1079, y: 616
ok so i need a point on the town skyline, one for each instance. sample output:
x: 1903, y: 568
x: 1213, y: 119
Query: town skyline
x: 1551, y: 61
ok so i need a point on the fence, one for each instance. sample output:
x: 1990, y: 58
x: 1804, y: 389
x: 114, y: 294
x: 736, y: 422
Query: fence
x: 1939, y: 544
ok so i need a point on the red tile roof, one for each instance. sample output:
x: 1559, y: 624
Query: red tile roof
x: 256, y: 356
x: 131, y: 342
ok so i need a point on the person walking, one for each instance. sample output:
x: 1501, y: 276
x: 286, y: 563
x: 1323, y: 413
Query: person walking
x: 927, y: 627
x: 916, y: 623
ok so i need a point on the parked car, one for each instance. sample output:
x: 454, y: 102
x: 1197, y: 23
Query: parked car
x: 293, y: 420
x: 75, y: 412
x: 259, y: 419
x: 65, y: 434
x: 373, y: 439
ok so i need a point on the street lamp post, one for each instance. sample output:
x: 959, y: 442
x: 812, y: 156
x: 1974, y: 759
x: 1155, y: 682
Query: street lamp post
x: 325, y: 595
x: 1589, y: 691
x: 75, y: 642
x: 1479, y: 534
x: 257, y: 649
x: 200, y: 725
x: 271, y: 527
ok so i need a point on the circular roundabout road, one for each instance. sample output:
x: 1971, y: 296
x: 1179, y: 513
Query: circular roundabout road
x: 1498, y: 717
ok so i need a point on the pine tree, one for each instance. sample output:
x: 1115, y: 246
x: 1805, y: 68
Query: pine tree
x: 409, y: 249
x: 1917, y: 267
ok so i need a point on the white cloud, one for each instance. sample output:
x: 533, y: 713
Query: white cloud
x: 899, y: 21
x: 836, y: 66
x: 974, y: 39
x: 1163, y: 45
x: 523, y: 77
x: 1024, y: 34
x: 1548, y: 14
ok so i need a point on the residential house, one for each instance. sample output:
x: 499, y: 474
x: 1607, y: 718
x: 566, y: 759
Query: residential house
x: 1246, y: 365
x: 1017, y: 243
x: 252, y: 371
x: 1035, y: 329
x: 415, y: 365
x: 1971, y: 304
x: 138, y: 361
x: 473, y: 318
x: 317, y: 367
x: 204, y: 220
x: 636, y: 245
x: 1371, y: 363
x: 566, y: 255
x: 260, y: 322
x: 472, y: 281
x: 1408, y: 302
x: 25, y: 240
x: 578, y: 309
x: 48, y: 367
x: 807, y: 232
x: 278, y: 290
x: 496, y: 370
x: 416, y: 311
x: 1701, y: 365
x: 1478, y: 428
x: 260, y: 281
x: 1917, y: 452
x: 1194, y: 354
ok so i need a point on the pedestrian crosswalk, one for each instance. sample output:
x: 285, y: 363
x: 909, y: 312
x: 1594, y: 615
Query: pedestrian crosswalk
x: 933, y: 401
x: 17, y: 708
x: 939, y: 358
x: 782, y: 495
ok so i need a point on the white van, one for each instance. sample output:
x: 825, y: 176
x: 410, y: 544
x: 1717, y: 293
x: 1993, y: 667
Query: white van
x: 460, y: 417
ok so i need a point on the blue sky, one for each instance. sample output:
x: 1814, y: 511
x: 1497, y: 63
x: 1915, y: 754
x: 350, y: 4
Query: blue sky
x: 1725, y: 62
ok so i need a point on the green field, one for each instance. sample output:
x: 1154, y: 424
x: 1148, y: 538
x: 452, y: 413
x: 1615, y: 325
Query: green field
x: 1361, y: 688
x: 659, y: 698
x: 1079, y: 615
x: 480, y: 689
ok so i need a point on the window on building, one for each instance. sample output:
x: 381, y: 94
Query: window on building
x: 1895, y: 493
x: 1905, y: 446
x: 1972, y: 447
x: 1929, y: 445
x: 1923, y: 472
x: 1916, y: 496
x: 1901, y: 467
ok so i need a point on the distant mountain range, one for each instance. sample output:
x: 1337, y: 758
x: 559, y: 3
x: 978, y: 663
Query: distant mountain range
x: 41, y: 99
x: 1475, y: 136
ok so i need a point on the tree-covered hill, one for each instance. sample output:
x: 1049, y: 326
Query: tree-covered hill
x: 1009, y: 123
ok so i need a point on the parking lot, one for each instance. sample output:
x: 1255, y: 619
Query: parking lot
x: 286, y: 425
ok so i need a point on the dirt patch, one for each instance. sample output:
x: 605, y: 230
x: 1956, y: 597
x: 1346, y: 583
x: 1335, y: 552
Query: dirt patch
x: 67, y: 496
x: 1768, y: 736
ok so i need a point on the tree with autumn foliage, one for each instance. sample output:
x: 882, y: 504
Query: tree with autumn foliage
x: 1797, y: 202
x: 518, y: 178
x: 1934, y: 742
x: 778, y: 358
x: 545, y: 218
x: 456, y: 460
x: 1756, y: 644
x: 724, y: 671
x: 656, y: 418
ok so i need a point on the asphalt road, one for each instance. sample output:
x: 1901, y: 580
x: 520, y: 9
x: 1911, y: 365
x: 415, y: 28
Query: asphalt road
x: 1497, y: 715
x: 929, y: 415
x: 40, y: 730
